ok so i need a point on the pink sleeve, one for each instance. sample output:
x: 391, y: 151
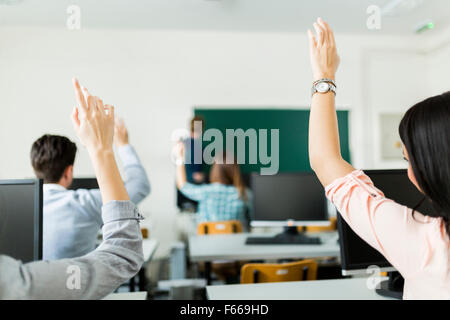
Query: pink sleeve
x: 384, y: 224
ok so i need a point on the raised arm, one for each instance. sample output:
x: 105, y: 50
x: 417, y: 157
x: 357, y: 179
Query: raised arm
x: 324, y: 150
x: 118, y: 258
x: 136, y: 180
x: 178, y: 151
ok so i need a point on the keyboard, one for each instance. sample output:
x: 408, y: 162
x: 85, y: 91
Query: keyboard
x: 288, y: 240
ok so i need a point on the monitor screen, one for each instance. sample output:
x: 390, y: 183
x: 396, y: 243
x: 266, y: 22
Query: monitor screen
x: 21, y: 219
x: 84, y: 183
x: 288, y: 199
x: 356, y: 254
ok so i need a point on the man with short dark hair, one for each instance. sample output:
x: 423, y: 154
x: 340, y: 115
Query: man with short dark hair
x: 72, y: 219
x: 52, y: 158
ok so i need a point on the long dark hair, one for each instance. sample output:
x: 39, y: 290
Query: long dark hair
x: 425, y: 133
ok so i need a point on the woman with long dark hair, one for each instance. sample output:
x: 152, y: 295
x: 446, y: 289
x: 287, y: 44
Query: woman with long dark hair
x: 416, y: 245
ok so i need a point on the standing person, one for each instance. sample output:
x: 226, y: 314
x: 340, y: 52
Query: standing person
x: 193, y: 163
x: 418, y: 246
x: 194, y: 170
x: 119, y: 257
x: 225, y: 197
x: 72, y: 219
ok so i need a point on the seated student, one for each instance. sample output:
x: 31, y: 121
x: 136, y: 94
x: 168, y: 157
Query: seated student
x: 418, y: 246
x: 224, y: 198
x: 72, y: 219
x: 118, y: 258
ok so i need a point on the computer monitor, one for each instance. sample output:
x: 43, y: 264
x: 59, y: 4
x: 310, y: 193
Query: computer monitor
x: 356, y: 254
x: 21, y: 219
x: 84, y: 183
x: 288, y: 199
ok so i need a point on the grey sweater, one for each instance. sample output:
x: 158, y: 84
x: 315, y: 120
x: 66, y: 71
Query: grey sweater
x: 92, y: 276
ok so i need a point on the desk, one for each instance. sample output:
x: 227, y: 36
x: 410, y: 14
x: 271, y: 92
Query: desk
x: 209, y: 248
x: 149, y: 247
x: 341, y: 289
x: 127, y: 296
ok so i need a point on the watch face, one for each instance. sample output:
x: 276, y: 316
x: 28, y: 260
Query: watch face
x: 323, y: 87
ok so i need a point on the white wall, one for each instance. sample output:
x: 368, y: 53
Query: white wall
x: 154, y: 78
x: 438, y: 64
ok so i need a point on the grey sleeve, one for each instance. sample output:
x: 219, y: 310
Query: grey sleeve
x: 92, y: 276
x: 136, y: 180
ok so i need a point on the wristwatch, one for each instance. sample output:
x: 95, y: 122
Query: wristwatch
x: 323, y: 86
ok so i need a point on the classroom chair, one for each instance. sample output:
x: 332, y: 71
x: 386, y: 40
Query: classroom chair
x: 331, y: 227
x: 219, y: 227
x: 224, y: 270
x: 144, y: 232
x: 279, y: 272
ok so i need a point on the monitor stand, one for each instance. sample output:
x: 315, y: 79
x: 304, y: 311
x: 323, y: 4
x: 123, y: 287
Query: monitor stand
x: 393, y: 287
x: 289, y: 236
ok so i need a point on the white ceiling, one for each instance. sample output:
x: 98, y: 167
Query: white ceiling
x: 346, y: 16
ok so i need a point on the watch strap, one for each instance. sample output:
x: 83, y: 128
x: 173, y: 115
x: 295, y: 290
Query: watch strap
x: 325, y: 80
x: 331, y: 86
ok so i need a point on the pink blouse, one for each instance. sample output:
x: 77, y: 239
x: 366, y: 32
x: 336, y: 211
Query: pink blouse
x: 418, y: 247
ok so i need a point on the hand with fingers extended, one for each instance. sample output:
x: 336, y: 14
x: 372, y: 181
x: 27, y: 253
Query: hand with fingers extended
x: 120, y: 133
x: 96, y: 131
x: 96, y: 128
x: 178, y: 152
x: 323, y: 53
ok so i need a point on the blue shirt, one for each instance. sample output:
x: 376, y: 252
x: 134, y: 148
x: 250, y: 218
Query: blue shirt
x: 217, y: 202
x: 72, y: 218
x: 190, y: 165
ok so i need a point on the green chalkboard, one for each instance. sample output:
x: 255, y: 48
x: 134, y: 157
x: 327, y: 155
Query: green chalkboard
x: 293, y: 132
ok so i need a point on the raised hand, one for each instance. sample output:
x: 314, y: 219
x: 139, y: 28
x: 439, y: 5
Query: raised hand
x: 95, y: 128
x: 323, y: 53
x: 178, y: 152
x: 96, y: 131
x: 323, y: 144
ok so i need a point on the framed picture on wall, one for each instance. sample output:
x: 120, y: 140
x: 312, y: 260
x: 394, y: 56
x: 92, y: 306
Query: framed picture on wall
x: 391, y: 144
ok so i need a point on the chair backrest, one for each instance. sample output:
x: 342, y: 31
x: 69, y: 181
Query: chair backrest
x: 331, y: 227
x: 219, y: 227
x: 279, y: 272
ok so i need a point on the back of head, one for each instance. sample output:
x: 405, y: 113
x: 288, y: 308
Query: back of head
x: 228, y: 173
x: 425, y: 132
x: 51, y: 155
x: 197, y: 125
